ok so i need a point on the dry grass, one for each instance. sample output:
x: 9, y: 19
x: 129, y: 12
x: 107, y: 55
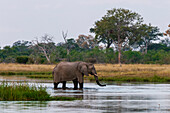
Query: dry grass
x: 26, y: 67
x: 111, y: 71
x: 133, y: 70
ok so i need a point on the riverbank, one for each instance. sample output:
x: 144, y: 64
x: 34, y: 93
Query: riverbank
x: 106, y: 72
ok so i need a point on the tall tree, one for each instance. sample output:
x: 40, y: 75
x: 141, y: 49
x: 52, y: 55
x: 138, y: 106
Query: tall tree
x: 66, y: 43
x: 69, y: 44
x: 86, y: 42
x: 145, y: 36
x: 46, y: 46
x: 118, y: 25
x: 102, y: 35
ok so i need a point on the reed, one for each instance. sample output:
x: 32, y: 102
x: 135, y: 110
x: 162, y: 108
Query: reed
x: 24, y: 92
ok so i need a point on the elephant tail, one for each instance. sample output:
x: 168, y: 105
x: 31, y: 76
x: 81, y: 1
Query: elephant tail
x: 53, y: 71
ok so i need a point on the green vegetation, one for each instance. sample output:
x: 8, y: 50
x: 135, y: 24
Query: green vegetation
x: 44, y: 75
x: 24, y: 92
x: 97, y: 55
x: 25, y: 73
x: 22, y: 59
x: 154, y: 78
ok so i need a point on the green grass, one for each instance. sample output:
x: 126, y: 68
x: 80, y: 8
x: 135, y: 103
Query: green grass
x: 25, y: 73
x: 40, y: 75
x: 118, y: 78
x: 154, y: 78
x: 24, y: 92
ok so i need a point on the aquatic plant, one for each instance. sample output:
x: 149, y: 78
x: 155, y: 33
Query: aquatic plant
x: 25, y: 92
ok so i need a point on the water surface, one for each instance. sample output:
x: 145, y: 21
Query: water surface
x: 136, y: 98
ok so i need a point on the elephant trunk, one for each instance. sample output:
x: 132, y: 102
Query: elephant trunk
x: 97, y: 80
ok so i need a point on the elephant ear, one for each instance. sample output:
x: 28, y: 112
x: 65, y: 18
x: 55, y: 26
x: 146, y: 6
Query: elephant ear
x: 83, y: 69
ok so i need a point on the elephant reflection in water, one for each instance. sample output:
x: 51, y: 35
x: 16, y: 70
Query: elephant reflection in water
x: 73, y: 71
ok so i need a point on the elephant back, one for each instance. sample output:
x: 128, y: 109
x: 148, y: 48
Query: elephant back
x: 65, y: 71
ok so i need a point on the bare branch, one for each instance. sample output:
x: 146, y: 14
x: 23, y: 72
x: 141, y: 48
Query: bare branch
x: 64, y: 36
x: 45, y: 46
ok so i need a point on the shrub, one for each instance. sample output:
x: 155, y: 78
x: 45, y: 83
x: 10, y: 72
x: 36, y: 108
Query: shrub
x: 22, y: 59
x: 91, y: 60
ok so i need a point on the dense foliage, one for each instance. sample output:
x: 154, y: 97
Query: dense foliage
x: 22, y: 59
x: 157, y: 53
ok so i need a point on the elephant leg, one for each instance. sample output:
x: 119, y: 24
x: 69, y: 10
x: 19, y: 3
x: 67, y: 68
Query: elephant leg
x: 75, y: 84
x: 64, y: 85
x: 81, y: 80
x: 56, y: 85
x: 81, y: 85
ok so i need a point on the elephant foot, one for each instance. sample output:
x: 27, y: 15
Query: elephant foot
x: 55, y: 85
x: 75, y: 88
x: 64, y: 85
x: 81, y: 85
x: 64, y: 88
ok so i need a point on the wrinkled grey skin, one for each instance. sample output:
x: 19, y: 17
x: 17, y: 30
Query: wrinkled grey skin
x: 73, y: 71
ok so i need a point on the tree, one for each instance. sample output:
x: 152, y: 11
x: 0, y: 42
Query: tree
x: 21, y: 48
x: 119, y: 25
x: 21, y: 43
x: 167, y: 32
x: 102, y: 35
x: 69, y: 44
x: 145, y: 36
x: 158, y: 47
x: 86, y: 42
x: 65, y: 39
x: 167, y: 40
x: 46, y: 46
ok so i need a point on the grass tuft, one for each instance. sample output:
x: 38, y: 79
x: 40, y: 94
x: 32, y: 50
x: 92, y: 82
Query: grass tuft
x: 24, y: 92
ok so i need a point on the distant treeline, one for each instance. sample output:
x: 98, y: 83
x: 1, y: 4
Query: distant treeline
x: 25, y: 52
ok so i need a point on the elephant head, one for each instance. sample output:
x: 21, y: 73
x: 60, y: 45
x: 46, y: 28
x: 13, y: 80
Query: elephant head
x: 88, y: 68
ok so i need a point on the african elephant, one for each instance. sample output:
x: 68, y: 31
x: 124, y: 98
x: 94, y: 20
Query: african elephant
x: 73, y: 71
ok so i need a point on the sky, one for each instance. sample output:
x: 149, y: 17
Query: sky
x: 27, y: 19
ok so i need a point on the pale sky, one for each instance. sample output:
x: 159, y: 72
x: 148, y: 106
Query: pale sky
x: 27, y: 19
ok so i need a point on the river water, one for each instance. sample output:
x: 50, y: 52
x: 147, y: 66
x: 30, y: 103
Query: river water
x: 114, y: 98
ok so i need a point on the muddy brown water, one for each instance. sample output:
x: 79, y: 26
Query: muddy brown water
x: 114, y: 98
